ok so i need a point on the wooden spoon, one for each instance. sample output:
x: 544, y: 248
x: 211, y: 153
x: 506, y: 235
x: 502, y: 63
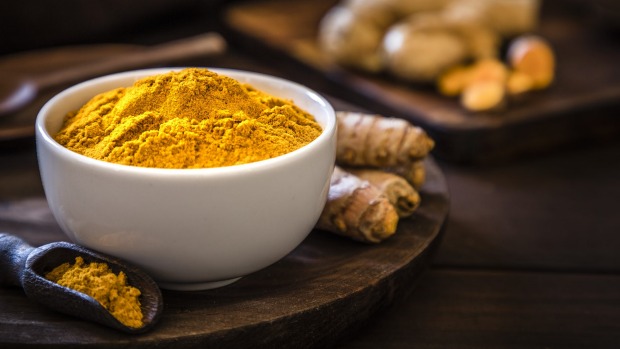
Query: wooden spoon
x: 20, y: 93
x: 26, y: 266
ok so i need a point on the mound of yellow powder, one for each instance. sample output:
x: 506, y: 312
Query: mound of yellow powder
x: 192, y: 118
x: 98, y: 281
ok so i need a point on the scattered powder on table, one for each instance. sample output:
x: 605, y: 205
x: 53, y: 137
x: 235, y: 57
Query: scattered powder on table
x: 193, y: 118
x: 99, y: 282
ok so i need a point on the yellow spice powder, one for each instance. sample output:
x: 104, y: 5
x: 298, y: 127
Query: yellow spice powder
x: 193, y: 118
x: 99, y: 282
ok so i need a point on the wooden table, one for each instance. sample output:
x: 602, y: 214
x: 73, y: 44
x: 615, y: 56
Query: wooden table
x: 530, y: 256
x: 530, y: 259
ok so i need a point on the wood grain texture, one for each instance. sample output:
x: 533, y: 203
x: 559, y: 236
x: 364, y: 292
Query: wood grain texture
x: 510, y: 310
x: 552, y: 213
x: 325, y: 288
x: 573, y: 109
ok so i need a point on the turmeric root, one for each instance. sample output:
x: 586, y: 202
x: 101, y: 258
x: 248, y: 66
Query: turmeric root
x: 456, y: 79
x: 507, y: 18
x: 413, y: 172
x: 533, y: 56
x: 399, y: 192
x: 482, y: 85
x: 453, y: 81
x: 351, y: 37
x: 419, y: 54
x: 357, y: 210
x: 377, y: 141
x: 365, y: 204
x: 519, y: 83
x: 489, y: 69
x: 483, y: 95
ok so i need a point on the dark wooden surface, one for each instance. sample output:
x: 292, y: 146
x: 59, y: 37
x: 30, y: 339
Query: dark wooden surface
x: 529, y: 258
x: 587, y: 82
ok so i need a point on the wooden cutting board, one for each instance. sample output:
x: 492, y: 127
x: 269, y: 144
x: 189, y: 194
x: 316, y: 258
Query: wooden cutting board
x: 323, y: 290
x: 581, y: 105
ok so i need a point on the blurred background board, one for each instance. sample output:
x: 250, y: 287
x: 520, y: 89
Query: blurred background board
x: 579, y: 107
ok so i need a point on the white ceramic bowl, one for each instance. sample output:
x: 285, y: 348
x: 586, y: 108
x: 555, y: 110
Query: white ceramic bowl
x: 191, y: 229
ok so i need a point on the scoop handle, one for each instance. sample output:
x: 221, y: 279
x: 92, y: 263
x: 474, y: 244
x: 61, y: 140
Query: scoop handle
x: 13, y: 254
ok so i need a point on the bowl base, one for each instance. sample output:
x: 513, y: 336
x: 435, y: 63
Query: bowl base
x: 195, y: 286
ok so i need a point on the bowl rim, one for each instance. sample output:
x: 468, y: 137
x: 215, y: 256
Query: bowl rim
x: 43, y: 136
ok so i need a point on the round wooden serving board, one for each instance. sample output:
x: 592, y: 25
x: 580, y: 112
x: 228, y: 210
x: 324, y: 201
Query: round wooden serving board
x: 323, y: 290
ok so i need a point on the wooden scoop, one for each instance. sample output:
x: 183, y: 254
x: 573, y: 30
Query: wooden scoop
x: 26, y: 266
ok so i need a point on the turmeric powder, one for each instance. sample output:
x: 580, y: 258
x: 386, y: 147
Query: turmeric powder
x: 193, y: 118
x: 99, y: 282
